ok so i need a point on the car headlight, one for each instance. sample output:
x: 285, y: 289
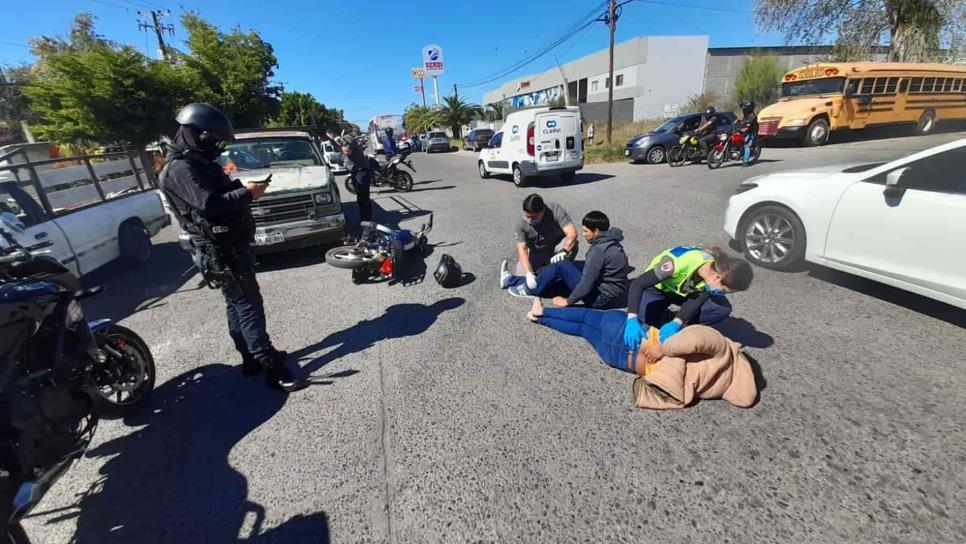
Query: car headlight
x: 797, y: 122
x: 323, y: 198
x: 641, y: 143
x: 745, y: 187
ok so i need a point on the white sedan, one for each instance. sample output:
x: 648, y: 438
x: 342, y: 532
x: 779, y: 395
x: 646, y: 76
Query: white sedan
x: 901, y: 223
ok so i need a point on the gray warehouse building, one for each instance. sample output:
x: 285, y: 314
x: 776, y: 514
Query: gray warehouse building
x: 654, y: 76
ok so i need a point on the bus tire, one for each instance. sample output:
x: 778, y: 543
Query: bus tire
x: 817, y: 133
x: 926, y: 123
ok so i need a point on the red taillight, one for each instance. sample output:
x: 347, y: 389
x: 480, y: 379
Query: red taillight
x: 831, y: 72
x: 386, y: 268
x: 790, y: 77
x: 530, y: 149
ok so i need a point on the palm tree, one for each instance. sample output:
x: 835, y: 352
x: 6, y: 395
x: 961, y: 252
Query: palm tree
x: 420, y: 119
x: 456, y: 112
x: 494, y: 111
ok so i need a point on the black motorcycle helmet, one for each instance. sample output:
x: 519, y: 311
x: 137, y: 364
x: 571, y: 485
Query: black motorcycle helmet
x: 448, y: 272
x: 389, y: 132
x: 747, y: 106
x: 209, y: 121
x: 710, y: 111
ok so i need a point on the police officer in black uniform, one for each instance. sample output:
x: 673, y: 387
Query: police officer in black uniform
x: 213, y: 209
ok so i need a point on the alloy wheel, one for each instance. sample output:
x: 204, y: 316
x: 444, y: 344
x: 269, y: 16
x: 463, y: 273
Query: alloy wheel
x: 769, y: 238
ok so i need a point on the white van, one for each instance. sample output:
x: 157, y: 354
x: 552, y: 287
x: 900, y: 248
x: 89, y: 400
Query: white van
x: 536, y: 142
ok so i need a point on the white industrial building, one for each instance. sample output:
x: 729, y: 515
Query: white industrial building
x: 654, y: 76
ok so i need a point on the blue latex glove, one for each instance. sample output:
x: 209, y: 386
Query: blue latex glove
x: 633, y: 333
x: 670, y: 329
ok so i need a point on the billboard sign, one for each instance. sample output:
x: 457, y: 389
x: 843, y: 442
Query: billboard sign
x: 433, y: 60
x: 418, y: 73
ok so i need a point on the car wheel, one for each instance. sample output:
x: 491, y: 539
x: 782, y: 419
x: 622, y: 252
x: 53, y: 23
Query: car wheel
x: 518, y: 178
x: 773, y: 237
x: 134, y: 244
x: 926, y: 123
x: 483, y: 173
x: 817, y: 133
x: 656, y: 155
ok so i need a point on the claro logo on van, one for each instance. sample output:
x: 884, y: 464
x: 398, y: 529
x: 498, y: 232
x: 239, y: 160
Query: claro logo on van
x: 552, y: 127
x: 516, y: 129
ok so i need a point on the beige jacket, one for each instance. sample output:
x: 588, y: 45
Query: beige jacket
x: 699, y: 363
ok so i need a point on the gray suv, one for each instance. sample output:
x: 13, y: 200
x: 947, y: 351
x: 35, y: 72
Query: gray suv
x: 437, y: 141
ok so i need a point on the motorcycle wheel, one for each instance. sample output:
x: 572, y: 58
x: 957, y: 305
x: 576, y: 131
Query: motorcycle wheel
x: 404, y: 181
x: 347, y: 258
x: 16, y: 534
x: 134, y: 380
x: 350, y: 185
x: 755, y: 153
x: 675, y: 157
x: 715, y: 159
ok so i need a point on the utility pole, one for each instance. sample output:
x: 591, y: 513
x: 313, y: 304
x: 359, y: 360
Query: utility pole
x: 612, y: 23
x: 456, y: 92
x: 159, y: 30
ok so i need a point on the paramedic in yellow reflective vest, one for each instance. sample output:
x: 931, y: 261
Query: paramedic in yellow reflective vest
x: 694, y: 278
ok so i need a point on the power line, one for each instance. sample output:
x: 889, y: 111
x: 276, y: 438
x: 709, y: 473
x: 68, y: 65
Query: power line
x: 125, y: 8
x: 15, y: 43
x: 692, y: 6
x: 578, y: 26
x: 143, y: 4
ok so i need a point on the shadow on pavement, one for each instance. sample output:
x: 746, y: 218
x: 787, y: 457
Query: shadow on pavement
x: 892, y: 295
x: 886, y: 132
x: 743, y: 332
x: 134, y: 290
x: 399, y: 321
x: 549, y: 182
x: 171, y: 481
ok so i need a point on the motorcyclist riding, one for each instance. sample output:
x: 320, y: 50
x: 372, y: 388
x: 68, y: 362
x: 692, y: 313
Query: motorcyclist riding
x: 705, y: 132
x: 749, y: 122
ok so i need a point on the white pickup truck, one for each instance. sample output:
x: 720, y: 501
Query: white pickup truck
x: 94, y: 209
x: 302, y: 206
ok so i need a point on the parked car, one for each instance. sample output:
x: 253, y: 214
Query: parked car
x: 302, y: 206
x: 900, y: 223
x: 477, y: 139
x: 652, y: 147
x: 536, y: 142
x: 332, y: 155
x: 93, y: 209
x: 437, y: 141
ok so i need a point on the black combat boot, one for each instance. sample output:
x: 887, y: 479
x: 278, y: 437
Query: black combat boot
x: 278, y: 375
x: 250, y: 367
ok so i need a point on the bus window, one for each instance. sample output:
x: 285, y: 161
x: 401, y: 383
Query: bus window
x: 891, y: 85
x: 879, y: 85
x: 903, y: 86
x: 916, y: 85
x: 852, y: 88
x: 927, y: 84
x: 948, y: 86
x: 959, y: 86
x: 867, y: 85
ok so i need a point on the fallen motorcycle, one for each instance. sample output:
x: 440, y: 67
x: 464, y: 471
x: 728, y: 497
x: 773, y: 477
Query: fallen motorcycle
x: 389, y: 174
x: 59, y: 373
x: 730, y: 146
x: 379, y: 252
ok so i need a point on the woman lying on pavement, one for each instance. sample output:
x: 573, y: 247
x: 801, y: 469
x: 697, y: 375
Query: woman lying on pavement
x: 694, y: 278
x: 697, y: 363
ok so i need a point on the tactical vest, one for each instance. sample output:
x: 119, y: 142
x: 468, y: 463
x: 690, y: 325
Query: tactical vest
x: 687, y: 260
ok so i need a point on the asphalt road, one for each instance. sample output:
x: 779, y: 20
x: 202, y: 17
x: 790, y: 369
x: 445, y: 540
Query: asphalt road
x: 444, y: 416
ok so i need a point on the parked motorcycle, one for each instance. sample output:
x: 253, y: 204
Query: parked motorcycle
x: 59, y: 374
x: 388, y: 174
x: 379, y: 251
x: 687, y: 150
x: 730, y: 146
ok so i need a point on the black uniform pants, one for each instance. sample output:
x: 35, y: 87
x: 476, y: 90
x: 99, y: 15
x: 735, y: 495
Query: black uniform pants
x: 246, y: 312
x: 362, y: 196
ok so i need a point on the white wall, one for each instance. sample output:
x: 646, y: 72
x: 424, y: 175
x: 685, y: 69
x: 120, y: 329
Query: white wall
x: 673, y: 73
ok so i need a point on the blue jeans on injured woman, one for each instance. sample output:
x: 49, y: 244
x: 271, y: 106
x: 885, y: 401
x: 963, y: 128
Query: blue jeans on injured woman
x: 604, y: 329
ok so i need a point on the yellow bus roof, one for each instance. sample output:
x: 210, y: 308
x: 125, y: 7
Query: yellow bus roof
x: 850, y: 68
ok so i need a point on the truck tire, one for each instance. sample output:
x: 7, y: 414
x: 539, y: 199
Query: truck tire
x: 134, y: 243
x: 817, y: 133
x: 926, y: 123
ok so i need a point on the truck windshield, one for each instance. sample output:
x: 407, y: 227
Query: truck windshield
x: 252, y: 153
x: 813, y: 87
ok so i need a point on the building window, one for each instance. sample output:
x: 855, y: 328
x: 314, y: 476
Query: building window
x: 619, y: 81
x: 593, y: 86
x: 607, y: 83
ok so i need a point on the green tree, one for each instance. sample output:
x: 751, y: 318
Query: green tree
x: 456, y: 112
x: 80, y: 37
x: 700, y: 102
x: 231, y: 71
x: 420, y: 119
x: 758, y: 78
x: 302, y: 109
x: 14, y: 106
x: 916, y: 29
x: 494, y: 111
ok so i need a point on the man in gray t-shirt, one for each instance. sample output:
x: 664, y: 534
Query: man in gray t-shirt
x: 543, y: 234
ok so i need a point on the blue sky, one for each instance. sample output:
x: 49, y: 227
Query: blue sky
x: 356, y: 54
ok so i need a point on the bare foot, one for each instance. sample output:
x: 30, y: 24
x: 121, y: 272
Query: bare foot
x: 536, y: 311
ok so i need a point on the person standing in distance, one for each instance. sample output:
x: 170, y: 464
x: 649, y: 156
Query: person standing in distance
x: 360, y: 170
x: 213, y: 209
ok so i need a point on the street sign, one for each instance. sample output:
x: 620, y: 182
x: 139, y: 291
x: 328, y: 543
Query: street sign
x: 433, y: 60
x: 418, y: 73
x: 418, y: 88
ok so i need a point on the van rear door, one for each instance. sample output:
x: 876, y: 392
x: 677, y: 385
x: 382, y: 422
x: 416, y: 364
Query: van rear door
x: 557, y: 139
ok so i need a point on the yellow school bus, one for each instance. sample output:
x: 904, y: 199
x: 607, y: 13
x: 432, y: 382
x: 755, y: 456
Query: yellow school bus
x: 820, y: 98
